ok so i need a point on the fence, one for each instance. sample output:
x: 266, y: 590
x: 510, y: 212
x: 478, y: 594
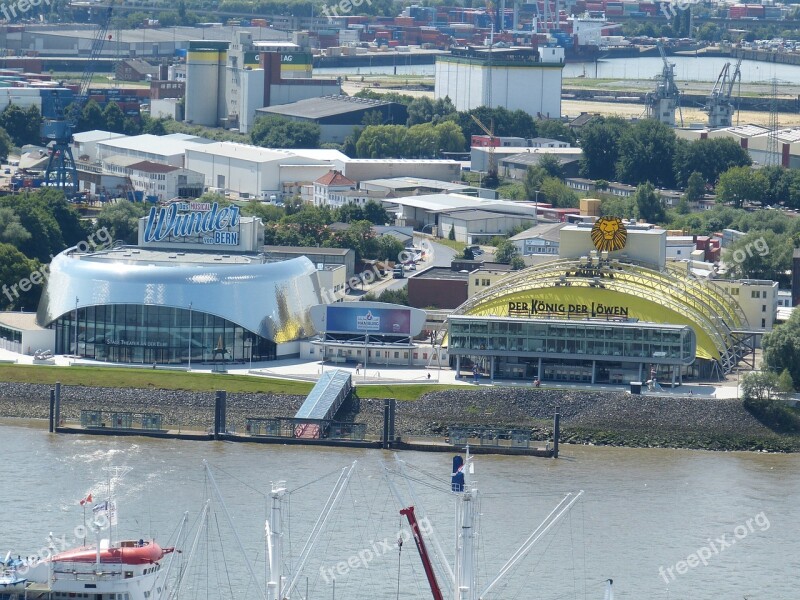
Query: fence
x: 312, y: 429
x: 121, y: 420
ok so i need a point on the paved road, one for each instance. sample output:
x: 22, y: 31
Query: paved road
x: 442, y: 257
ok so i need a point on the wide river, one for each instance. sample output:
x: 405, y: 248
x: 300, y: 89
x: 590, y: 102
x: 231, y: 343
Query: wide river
x: 642, y: 512
x: 687, y: 68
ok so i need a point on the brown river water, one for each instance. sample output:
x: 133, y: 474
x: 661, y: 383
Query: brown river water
x: 671, y: 524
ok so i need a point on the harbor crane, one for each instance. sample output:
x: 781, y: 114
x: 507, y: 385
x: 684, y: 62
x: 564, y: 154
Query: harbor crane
x: 665, y: 98
x: 719, y: 104
x: 61, y: 172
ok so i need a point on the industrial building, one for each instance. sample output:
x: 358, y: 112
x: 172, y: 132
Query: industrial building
x: 449, y: 287
x: 359, y: 169
x: 251, y: 171
x: 424, y: 212
x: 166, y: 149
x: 479, y: 226
x: 226, y: 82
x: 513, y: 78
x: 338, y: 116
x: 480, y: 158
x: 539, y: 240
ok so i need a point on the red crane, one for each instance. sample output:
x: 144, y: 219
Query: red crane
x: 423, y: 552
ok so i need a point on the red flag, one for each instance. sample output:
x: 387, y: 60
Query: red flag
x: 87, y: 500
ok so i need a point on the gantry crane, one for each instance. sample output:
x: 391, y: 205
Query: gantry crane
x: 665, y: 98
x: 719, y: 105
x: 57, y: 132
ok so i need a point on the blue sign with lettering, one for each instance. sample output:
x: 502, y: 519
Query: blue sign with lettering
x: 209, y: 221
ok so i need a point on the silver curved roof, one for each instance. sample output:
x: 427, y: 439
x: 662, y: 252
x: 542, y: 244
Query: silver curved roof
x: 271, y: 299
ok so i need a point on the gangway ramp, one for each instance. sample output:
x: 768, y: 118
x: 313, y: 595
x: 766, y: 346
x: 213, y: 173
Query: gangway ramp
x: 323, y: 402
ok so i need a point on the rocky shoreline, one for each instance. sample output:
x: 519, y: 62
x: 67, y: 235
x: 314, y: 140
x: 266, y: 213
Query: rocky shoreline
x: 600, y: 418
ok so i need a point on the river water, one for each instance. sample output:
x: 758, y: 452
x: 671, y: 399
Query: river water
x: 642, y: 510
x: 687, y: 68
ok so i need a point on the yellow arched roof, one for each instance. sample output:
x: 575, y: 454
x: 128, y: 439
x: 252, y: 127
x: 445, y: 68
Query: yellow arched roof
x: 577, y: 288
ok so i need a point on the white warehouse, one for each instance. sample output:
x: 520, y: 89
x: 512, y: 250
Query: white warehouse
x: 513, y: 78
x: 250, y: 170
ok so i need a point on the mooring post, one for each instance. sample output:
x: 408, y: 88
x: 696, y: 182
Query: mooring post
x: 392, y: 412
x: 219, y: 413
x: 556, y: 430
x: 57, y: 412
x: 386, y: 419
x: 52, y: 410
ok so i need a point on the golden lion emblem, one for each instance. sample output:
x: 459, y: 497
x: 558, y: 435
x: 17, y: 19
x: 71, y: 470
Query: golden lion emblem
x: 609, y: 234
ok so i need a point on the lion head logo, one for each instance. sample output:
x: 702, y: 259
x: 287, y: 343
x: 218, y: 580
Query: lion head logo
x: 609, y: 234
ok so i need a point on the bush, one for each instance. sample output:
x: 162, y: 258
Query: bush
x: 774, y: 414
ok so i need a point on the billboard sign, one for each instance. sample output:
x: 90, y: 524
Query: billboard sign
x: 352, y: 319
x: 203, y: 220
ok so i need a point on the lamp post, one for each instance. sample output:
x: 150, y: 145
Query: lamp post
x: 190, y: 336
x: 76, y: 327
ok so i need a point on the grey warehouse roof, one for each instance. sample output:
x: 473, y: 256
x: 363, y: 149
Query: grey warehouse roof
x: 324, y: 106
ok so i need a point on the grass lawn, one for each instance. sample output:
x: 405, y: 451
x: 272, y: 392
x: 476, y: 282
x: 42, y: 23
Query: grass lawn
x: 198, y: 382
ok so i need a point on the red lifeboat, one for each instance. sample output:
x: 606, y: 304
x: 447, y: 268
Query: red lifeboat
x: 127, y: 553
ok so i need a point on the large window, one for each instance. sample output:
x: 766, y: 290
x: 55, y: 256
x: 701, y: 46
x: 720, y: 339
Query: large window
x: 156, y: 334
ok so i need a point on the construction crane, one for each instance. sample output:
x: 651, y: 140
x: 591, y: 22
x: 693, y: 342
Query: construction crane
x: 719, y: 106
x: 491, y: 170
x: 665, y: 98
x: 57, y: 132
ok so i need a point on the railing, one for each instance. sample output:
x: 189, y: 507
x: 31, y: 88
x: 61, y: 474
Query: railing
x: 121, y: 420
x: 309, y: 429
x: 490, y: 437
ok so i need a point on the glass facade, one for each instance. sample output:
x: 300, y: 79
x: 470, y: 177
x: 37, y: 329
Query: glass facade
x: 581, y: 351
x: 134, y: 333
x: 602, y: 338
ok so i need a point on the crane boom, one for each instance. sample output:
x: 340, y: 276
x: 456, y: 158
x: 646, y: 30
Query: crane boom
x: 423, y: 552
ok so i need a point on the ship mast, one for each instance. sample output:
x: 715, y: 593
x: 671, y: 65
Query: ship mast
x: 274, y: 543
x: 465, y: 588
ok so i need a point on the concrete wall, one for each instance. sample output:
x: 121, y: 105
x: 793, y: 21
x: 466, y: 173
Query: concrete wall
x: 647, y: 246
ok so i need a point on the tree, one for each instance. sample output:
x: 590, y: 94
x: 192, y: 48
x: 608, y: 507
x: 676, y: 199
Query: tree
x: 11, y: 230
x: 759, y: 385
x: 785, y: 382
x: 599, y: 140
x: 91, y: 117
x: 468, y: 254
x: 390, y: 296
x: 695, y: 187
x: 646, y: 153
x: 274, y: 131
x: 14, y: 267
x: 425, y: 110
x: 781, y: 348
x: 22, y: 125
x: 121, y: 219
x: 649, y: 205
x: 387, y: 247
x: 554, y: 130
x: 517, y: 262
x: 505, y: 251
x: 709, y: 157
x: 552, y: 166
x: 5, y: 144
x: 738, y: 185
x: 153, y: 126
x: 114, y: 118
x: 558, y: 194
x: 451, y: 235
x: 382, y: 141
x: 760, y: 255
x: 376, y: 213
x: 534, y: 177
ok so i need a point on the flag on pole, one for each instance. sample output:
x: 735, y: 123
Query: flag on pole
x: 457, y: 477
x: 87, y: 500
x: 100, y: 508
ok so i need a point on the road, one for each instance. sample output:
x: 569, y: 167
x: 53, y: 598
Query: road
x: 442, y: 257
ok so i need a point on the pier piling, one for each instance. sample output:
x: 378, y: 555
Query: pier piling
x: 556, y: 430
x: 52, y: 427
x: 220, y: 405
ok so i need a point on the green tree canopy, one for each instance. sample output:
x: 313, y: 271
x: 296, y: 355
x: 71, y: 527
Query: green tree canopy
x: 14, y: 267
x: 695, y: 187
x: 22, y: 125
x: 114, y: 118
x: 649, y: 205
x: 551, y: 165
x: 274, y: 131
x: 555, y: 130
x: 646, y: 153
x: 709, y: 157
x: 738, y: 185
x: 600, y: 140
x: 505, y: 251
x: 121, y: 219
x: 5, y: 144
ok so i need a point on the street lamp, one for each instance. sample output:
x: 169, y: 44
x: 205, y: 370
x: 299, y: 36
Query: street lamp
x: 190, y: 336
x: 76, y: 328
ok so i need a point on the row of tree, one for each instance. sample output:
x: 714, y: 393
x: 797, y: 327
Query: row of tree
x: 618, y: 150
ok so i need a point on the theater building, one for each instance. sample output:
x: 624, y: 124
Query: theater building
x: 196, y: 288
x: 610, y: 309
